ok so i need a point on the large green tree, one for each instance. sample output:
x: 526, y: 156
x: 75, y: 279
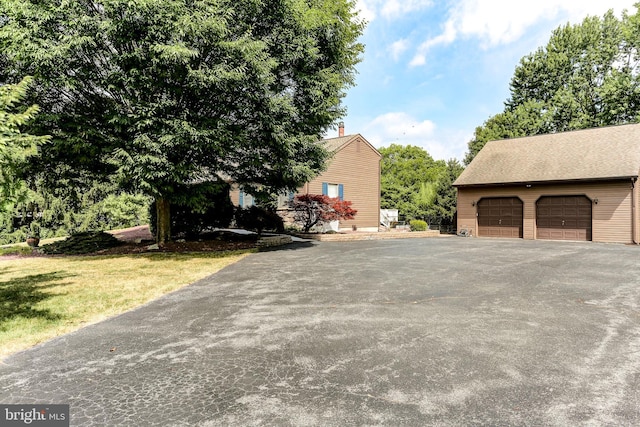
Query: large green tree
x: 158, y: 93
x: 15, y: 145
x: 586, y: 76
x: 408, y: 181
x: 446, y: 195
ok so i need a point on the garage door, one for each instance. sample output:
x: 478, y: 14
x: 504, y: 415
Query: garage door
x: 500, y: 217
x: 563, y: 218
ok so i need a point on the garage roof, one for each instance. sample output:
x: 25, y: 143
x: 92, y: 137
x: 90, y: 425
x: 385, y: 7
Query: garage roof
x: 591, y: 154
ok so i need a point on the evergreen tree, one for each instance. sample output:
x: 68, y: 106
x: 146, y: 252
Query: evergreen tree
x: 408, y: 178
x: 586, y: 76
x: 158, y: 93
x: 15, y: 146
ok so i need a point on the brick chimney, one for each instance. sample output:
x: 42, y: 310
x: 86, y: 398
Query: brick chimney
x: 341, y: 129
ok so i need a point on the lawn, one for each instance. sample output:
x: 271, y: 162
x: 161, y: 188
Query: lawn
x: 43, y: 297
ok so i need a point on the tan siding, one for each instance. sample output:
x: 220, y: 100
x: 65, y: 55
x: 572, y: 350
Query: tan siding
x: 612, y: 216
x: 636, y: 213
x: 357, y: 167
x: 234, y: 194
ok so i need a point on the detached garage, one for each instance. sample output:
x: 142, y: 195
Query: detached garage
x: 579, y: 185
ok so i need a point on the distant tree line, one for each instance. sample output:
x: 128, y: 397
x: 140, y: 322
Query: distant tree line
x: 417, y: 185
x: 587, y: 75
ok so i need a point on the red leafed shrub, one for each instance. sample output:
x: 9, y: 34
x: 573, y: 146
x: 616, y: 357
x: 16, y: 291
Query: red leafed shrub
x: 311, y: 209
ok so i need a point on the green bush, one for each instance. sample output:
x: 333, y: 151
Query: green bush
x: 115, y: 212
x: 82, y: 243
x: 418, y: 225
x: 97, y: 209
x: 258, y: 219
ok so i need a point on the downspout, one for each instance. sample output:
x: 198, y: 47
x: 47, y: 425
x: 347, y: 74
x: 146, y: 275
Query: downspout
x: 634, y: 213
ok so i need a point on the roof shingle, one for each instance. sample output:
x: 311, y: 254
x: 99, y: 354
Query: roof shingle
x: 591, y: 154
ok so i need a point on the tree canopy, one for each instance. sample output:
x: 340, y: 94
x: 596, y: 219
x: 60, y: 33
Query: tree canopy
x: 409, y: 177
x: 154, y: 94
x: 15, y: 146
x: 586, y: 76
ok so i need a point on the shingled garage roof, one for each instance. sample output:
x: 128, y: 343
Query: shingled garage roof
x: 593, y: 154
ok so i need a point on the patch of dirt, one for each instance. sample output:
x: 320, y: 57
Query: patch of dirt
x: 131, y: 234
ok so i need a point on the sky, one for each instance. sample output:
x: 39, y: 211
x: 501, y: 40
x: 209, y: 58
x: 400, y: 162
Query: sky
x: 434, y: 70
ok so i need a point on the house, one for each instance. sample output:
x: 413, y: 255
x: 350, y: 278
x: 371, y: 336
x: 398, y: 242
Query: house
x: 579, y: 185
x: 352, y: 173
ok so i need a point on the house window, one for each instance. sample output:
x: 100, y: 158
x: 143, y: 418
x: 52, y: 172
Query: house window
x: 246, y: 200
x: 333, y: 190
x: 284, y: 199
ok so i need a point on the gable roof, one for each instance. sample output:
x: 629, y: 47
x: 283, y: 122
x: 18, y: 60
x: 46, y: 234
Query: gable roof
x: 603, y: 153
x: 333, y: 145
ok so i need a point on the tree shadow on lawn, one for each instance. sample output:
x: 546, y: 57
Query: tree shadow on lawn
x: 19, y: 296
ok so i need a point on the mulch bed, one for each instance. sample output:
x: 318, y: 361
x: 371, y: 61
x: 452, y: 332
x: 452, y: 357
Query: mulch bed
x: 136, y: 240
x: 217, y: 241
x: 179, y: 247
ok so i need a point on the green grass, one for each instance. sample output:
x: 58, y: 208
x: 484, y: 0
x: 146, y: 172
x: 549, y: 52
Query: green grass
x: 15, y: 250
x: 43, y: 297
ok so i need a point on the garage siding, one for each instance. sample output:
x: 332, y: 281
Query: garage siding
x: 612, y: 215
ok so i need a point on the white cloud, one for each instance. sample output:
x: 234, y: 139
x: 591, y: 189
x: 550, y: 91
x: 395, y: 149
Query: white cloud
x: 394, y: 127
x: 365, y: 11
x: 403, y: 129
x: 394, y: 8
x: 448, y: 36
x: 498, y: 22
x: 389, y: 9
x: 397, y: 48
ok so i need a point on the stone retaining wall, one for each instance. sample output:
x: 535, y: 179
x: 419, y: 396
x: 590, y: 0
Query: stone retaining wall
x: 272, y: 241
x: 346, y: 237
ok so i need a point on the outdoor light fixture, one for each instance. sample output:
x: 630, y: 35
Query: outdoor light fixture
x: 473, y: 203
x: 595, y: 200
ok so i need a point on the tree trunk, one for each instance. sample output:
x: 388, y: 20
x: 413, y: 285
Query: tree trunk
x: 163, y: 224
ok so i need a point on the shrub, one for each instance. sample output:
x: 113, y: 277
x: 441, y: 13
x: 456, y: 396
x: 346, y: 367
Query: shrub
x: 418, y: 225
x: 312, y: 209
x: 258, y: 219
x: 116, y: 211
x: 57, y: 216
x: 82, y: 243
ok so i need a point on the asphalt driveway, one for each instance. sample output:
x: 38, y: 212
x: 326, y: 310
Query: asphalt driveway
x: 448, y: 331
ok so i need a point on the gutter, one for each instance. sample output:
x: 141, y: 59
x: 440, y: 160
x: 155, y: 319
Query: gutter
x: 634, y: 212
x: 549, y: 182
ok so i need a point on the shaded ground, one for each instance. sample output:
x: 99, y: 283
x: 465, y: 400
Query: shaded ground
x: 415, y: 332
x: 137, y: 240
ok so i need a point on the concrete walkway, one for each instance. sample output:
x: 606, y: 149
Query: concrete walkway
x: 395, y: 332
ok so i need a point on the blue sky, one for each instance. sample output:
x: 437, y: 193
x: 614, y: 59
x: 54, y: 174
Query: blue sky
x: 434, y: 70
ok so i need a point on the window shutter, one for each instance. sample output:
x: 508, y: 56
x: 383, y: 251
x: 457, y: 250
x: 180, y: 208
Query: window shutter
x: 341, y: 191
x: 241, y: 199
x: 325, y: 188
